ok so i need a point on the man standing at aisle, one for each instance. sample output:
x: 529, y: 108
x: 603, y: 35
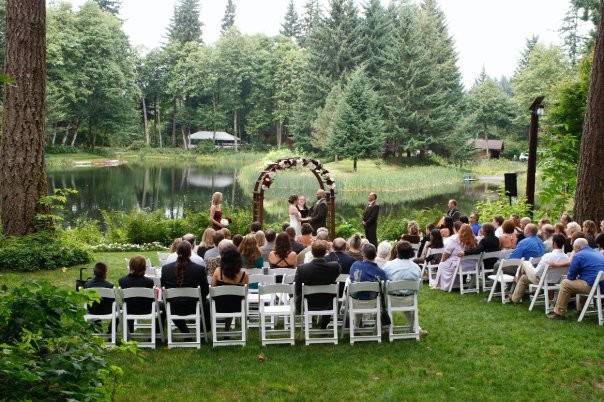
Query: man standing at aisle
x: 453, y: 212
x: 370, y: 218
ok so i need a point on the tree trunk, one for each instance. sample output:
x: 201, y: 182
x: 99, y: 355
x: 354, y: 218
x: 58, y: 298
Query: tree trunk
x: 184, y: 137
x: 589, y: 200
x: 22, y: 175
x: 146, y: 122
x: 235, y: 124
x: 354, y: 164
x: 279, y: 133
x: 486, y: 140
x: 54, y: 137
x: 75, y: 133
x: 158, y: 114
x: 174, y: 122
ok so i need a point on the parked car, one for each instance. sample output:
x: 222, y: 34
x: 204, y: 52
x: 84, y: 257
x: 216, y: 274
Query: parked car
x: 523, y: 157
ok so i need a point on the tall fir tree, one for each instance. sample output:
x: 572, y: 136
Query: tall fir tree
x: 310, y: 20
x: 185, y: 25
x: 526, y: 52
x: 228, y: 20
x: 358, y: 127
x: 376, y: 36
x: 111, y: 6
x: 291, y: 24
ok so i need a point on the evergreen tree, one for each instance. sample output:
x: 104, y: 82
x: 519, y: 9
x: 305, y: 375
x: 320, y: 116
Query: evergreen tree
x: 185, y: 25
x: 358, y: 127
x: 323, y: 126
x: 111, y: 6
x: 291, y: 25
x: 229, y: 16
x: 310, y: 19
x: 528, y: 48
x: 376, y: 36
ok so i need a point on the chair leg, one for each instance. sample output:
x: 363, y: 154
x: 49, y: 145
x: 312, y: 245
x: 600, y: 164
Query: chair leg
x: 125, y: 327
x: 492, y: 292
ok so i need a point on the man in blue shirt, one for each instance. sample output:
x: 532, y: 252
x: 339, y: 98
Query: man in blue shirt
x: 584, y: 268
x: 474, y: 224
x: 366, y: 270
x: 531, y: 246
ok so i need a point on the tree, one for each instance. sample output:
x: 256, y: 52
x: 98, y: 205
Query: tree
x: 185, y: 25
x: 323, y: 126
x: 111, y: 6
x: 310, y: 19
x: 22, y: 176
x: 228, y: 20
x: 589, y: 201
x: 358, y: 128
x: 376, y: 36
x: 291, y: 25
x: 574, y: 43
x: 528, y: 48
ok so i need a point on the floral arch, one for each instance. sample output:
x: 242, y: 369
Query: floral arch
x: 326, y: 183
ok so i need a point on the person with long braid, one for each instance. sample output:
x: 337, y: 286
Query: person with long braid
x: 183, y: 273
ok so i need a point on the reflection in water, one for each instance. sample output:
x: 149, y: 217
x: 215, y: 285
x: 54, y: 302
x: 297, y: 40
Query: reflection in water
x: 176, y: 190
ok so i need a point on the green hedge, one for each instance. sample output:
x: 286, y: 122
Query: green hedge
x: 42, y: 251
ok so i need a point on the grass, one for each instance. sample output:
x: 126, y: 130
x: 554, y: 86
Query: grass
x: 496, y: 167
x: 475, y: 351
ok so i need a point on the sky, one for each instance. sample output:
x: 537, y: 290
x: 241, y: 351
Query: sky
x: 487, y: 33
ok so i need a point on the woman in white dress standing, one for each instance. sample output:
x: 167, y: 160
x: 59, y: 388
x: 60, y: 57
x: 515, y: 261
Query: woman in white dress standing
x: 295, y: 218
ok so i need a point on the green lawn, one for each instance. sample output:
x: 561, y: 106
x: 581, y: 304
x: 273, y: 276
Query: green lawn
x: 475, y: 351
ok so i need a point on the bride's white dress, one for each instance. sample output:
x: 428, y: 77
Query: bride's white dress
x: 294, y: 221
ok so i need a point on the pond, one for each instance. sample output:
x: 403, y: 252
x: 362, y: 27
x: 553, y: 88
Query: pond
x: 178, y: 189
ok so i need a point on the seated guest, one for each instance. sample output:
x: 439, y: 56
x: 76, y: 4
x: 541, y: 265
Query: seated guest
x: 544, y: 221
x: 446, y: 227
x: 383, y: 253
x: 322, y: 235
x: 425, y: 239
x: 530, y: 247
x: 487, y: 244
x: 590, y: 230
x: 317, y: 272
x: 260, y: 240
x: 100, y: 281
x: 572, y: 228
x: 269, y: 246
x: 305, y: 238
x: 354, y: 247
x: 412, y: 235
x: 297, y: 247
x: 600, y: 242
x: 446, y: 269
x: 529, y: 274
x: 498, y: 224
x: 194, y: 257
x: 217, y: 237
x: 207, y: 242
x: 561, y: 229
x: 214, y: 263
x: 282, y: 256
x: 190, y: 237
x: 250, y: 253
x: 546, y: 234
x: 343, y: 258
x: 237, y: 239
x: 508, y: 238
x: 520, y: 230
x: 185, y: 273
x: 366, y: 271
x: 436, y: 242
x: 175, y: 244
x: 565, y: 219
x: 255, y: 226
x: 226, y: 232
x: 136, y: 279
x: 475, y: 224
x: 230, y: 273
x: 583, y: 270
x: 464, y: 219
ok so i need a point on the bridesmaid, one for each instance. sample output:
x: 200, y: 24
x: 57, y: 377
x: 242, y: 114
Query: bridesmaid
x: 216, y: 211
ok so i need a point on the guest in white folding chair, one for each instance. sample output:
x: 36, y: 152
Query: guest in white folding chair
x: 214, y: 252
x: 315, y: 273
x: 136, y: 279
x: 435, y: 242
x: 383, y: 253
x: 207, y: 242
x: 446, y: 269
x: 366, y: 270
x: 404, y: 269
x: 529, y: 247
x: 341, y: 256
x: 498, y: 224
x: 488, y: 244
x: 582, y: 272
x: 194, y: 256
x: 530, y: 274
x: 270, y: 237
x: 323, y: 236
x: 546, y: 234
x: 103, y: 306
x: 413, y: 233
x: 185, y: 273
x: 230, y: 273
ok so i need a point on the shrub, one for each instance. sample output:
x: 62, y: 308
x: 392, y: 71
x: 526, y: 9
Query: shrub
x: 501, y: 206
x: 205, y: 147
x: 48, y: 351
x: 61, y: 149
x: 137, y: 145
x: 86, y: 231
x: 44, y: 250
x: 346, y: 229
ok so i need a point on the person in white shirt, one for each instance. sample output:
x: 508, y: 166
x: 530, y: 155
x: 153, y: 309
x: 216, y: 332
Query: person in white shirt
x: 529, y: 274
x: 194, y: 258
x: 498, y: 223
x: 383, y: 253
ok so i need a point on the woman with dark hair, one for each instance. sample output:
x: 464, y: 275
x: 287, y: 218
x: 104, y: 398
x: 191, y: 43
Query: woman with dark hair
x: 508, y: 239
x: 237, y: 240
x: 591, y: 230
x: 282, y: 256
x: 183, y: 273
x: 435, y: 242
x: 425, y: 239
x: 446, y: 227
x: 229, y: 273
x: 354, y: 247
x: 305, y: 238
x: 487, y: 244
x: 250, y: 253
x: 136, y: 279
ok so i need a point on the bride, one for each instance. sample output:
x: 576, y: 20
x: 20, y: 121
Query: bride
x: 295, y: 218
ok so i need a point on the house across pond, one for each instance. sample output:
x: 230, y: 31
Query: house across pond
x: 221, y: 139
x: 489, y: 148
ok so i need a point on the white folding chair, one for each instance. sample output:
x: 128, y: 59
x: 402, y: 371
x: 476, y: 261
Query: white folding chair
x: 286, y: 310
x: 109, y: 295
x: 401, y: 296
x: 484, y: 271
x: 322, y: 335
x: 549, y: 282
x: 162, y: 257
x: 341, y: 282
x: 254, y: 299
x: 371, y: 307
x: 198, y: 317
x: 127, y: 260
x: 467, y: 266
x: 153, y: 317
x: 415, y: 247
x: 595, y: 296
x: 430, y: 268
x: 254, y: 271
x: 503, y: 279
x: 535, y: 261
x: 231, y: 337
x: 281, y: 271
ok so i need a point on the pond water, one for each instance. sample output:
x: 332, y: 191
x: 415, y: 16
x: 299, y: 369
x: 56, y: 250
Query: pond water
x: 178, y: 189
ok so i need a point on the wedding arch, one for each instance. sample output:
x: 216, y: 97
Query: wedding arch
x: 326, y: 183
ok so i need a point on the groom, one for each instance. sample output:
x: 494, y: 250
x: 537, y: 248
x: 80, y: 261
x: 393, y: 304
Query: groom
x: 318, y: 215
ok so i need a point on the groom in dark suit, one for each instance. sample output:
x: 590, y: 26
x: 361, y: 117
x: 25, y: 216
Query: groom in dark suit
x: 318, y: 215
x: 370, y: 218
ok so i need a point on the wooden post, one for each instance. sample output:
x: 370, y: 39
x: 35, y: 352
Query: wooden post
x: 532, y: 157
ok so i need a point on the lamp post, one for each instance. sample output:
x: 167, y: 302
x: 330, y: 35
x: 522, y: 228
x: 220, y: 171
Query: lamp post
x: 536, y: 111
